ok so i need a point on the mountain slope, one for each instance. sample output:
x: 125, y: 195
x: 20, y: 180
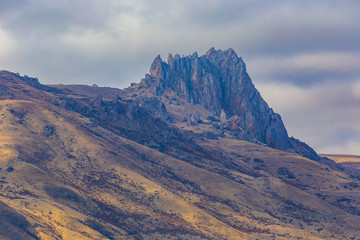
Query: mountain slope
x: 83, y: 167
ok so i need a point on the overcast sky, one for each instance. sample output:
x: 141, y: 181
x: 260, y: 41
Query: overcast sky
x: 303, y: 56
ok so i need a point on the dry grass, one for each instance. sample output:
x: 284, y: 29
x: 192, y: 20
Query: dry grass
x: 341, y: 158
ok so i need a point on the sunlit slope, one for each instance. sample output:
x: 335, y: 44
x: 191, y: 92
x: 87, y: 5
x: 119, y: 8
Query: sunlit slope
x: 350, y: 163
x: 341, y: 158
x: 67, y: 184
x: 64, y: 178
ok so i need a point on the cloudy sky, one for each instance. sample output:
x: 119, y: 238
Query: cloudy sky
x: 303, y: 56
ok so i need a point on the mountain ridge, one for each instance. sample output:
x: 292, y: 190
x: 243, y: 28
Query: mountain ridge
x: 217, y: 81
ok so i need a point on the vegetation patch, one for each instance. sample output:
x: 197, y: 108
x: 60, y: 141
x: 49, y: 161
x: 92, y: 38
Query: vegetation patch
x: 63, y: 193
x: 284, y: 171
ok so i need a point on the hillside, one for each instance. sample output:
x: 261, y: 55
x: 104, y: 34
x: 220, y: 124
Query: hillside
x: 342, y: 158
x: 82, y: 162
x: 349, y: 163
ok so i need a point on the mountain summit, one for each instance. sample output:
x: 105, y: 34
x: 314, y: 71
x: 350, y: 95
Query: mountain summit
x: 219, y: 83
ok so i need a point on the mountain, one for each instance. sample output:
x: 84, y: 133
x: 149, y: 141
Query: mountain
x: 218, y: 81
x: 167, y: 158
x: 216, y: 84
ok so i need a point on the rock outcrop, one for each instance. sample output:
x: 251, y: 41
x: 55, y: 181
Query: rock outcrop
x: 218, y: 81
x: 155, y: 106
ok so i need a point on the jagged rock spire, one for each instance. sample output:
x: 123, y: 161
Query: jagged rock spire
x: 156, y: 68
x: 218, y: 81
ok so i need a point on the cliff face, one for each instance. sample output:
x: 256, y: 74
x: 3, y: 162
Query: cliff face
x: 218, y: 81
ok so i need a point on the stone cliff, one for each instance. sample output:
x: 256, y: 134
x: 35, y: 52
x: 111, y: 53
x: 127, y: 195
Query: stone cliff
x: 218, y: 81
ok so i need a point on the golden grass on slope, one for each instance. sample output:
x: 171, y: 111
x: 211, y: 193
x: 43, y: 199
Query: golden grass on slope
x: 238, y: 194
x: 23, y: 187
x: 340, y: 158
x: 81, y: 146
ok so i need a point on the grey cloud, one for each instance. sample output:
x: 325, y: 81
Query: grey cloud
x: 46, y: 19
x: 308, y: 69
x: 308, y: 77
x: 275, y: 27
x: 251, y: 26
x: 11, y: 5
x: 322, y: 115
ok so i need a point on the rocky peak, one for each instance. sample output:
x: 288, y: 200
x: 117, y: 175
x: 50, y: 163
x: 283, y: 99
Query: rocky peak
x: 223, y: 116
x: 156, y: 68
x: 219, y: 82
